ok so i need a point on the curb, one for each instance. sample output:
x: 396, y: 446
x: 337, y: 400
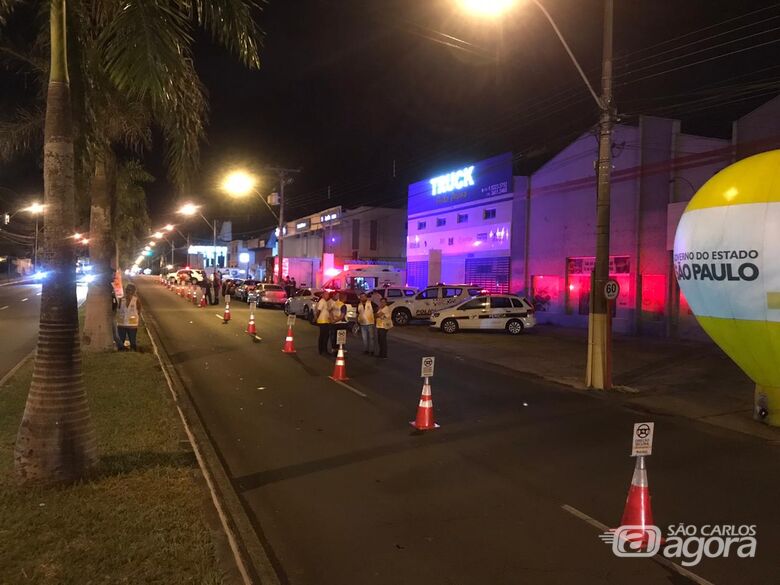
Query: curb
x: 251, y: 557
x: 15, y: 369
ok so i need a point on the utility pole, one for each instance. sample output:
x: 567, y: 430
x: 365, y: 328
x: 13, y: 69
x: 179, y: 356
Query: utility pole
x: 283, y: 179
x: 598, y: 374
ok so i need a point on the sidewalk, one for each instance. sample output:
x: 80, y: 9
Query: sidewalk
x: 685, y: 378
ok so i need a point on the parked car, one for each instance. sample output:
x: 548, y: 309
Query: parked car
x: 267, y: 294
x: 186, y: 276
x: 395, y: 293
x: 301, y: 304
x: 430, y: 300
x: 243, y: 289
x: 510, y: 313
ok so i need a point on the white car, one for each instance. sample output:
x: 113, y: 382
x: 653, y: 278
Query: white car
x: 430, y: 300
x: 301, y: 304
x: 511, y: 313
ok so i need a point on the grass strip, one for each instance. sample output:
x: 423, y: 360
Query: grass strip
x: 142, y: 518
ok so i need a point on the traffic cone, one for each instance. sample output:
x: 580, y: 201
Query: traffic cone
x: 188, y: 294
x: 202, y: 301
x: 195, y: 296
x: 251, y: 329
x: 226, y: 314
x: 289, y: 346
x: 638, y: 511
x: 424, y: 420
x: 340, y: 369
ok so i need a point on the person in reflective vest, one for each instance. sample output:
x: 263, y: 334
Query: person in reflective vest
x: 128, y: 313
x: 322, y: 318
x: 365, y: 318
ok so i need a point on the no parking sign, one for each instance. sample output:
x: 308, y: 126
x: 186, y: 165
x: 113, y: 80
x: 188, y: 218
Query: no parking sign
x: 426, y: 371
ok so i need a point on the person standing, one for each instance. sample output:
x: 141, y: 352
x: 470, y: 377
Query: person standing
x: 384, y: 322
x: 322, y: 319
x: 365, y: 317
x: 128, y: 313
x: 217, y: 285
x: 338, y: 317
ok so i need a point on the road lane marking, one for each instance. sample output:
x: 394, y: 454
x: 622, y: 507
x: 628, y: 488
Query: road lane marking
x: 3, y: 308
x: 24, y: 299
x: 350, y: 388
x: 15, y: 369
x: 660, y: 559
x: 218, y: 316
x: 38, y: 294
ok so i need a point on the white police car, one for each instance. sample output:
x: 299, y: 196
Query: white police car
x: 495, y: 311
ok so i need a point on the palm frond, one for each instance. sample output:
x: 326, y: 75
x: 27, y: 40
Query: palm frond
x: 22, y: 134
x: 6, y: 8
x: 145, y: 45
x: 12, y: 58
x: 231, y: 23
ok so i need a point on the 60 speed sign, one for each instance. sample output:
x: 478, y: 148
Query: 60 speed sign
x: 611, y: 289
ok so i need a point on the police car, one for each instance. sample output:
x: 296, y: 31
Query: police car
x: 496, y: 311
x: 430, y: 300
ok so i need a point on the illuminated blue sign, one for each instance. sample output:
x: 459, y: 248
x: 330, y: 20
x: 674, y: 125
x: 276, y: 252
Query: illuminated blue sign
x: 486, y: 178
x: 451, y: 181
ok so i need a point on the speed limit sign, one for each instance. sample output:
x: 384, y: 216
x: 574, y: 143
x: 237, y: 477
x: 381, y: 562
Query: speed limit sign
x: 611, y: 290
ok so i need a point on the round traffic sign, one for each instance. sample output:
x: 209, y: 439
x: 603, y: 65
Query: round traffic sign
x: 611, y: 289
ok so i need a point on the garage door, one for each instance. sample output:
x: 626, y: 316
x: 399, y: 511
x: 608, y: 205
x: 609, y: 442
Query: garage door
x: 491, y: 274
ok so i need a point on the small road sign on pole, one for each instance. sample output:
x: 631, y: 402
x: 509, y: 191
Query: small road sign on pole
x: 642, y: 443
x: 611, y: 289
x: 341, y: 337
x: 290, y: 321
x: 426, y: 370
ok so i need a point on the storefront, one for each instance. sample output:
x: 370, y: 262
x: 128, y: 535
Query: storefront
x: 459, y: 226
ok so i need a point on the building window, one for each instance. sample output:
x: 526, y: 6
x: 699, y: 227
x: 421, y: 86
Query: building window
x: 441, y: 221
x: 355, y: 234
x: 463, y: 217
x: 373, y: 234
x: 489, y: 214
x: 421, y: 225
x: 482, y: 237
x: 450, y: 241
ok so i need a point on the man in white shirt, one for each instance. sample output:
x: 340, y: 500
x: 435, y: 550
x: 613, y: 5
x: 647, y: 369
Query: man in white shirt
x: 322, y: 319
x: 365, y: 317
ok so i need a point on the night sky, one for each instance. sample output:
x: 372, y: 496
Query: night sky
x: 353, y: 90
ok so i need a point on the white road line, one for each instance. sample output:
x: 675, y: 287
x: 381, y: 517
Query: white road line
x: 660, y: 559
x: 218, y: 316
x: 38, y: 294
x: 3, y: 308
x: 350, y: 388
x: 24, y: 299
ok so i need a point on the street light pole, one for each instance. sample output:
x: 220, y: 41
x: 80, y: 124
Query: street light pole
x: 283, y: 178
x: 35, y: 250
x: 598, y: 372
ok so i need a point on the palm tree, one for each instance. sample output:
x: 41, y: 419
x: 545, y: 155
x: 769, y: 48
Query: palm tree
x: 56, y: 441
x: 145, y: 47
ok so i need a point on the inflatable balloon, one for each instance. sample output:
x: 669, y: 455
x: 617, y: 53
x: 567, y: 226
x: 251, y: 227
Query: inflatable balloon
x: 727, y: 262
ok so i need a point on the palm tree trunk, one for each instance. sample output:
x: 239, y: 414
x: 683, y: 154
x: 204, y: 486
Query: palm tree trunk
x: 98, y: 334
x: 56, y: 442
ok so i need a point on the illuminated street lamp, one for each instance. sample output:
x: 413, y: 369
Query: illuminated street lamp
x: 487, y: 8
x: 599, y: 337
x: 36, y: 209
x: 169, y: 227
x: 239, y: 183
x: 189, y: 209
x: 152, y: 244
x: 157, y: 235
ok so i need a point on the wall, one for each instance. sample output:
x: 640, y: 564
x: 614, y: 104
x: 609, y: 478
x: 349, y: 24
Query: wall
x: 759, y: 130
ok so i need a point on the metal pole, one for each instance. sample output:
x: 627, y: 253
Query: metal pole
x: 599, y: 343
x: 214, y: 246
x: 280, y: 240
x: 35, y: 251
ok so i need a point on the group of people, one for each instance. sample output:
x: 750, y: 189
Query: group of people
x: 290, y: 286
x: 212, y: 287
x: 373, y: 318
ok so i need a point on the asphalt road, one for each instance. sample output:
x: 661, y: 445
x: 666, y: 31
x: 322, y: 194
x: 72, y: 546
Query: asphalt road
x: 20, y: 306
x: 344, y: 492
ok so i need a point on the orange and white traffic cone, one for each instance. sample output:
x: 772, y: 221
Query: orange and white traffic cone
x: 188, y: 294
x: 202, y: 301
x: 424, y: 419
x: 195, y: 296
x: 340, y: 369
x: 289, y: 345
x: 637, y: 511
x: 251, y: 329
x: 226, y: 314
